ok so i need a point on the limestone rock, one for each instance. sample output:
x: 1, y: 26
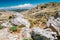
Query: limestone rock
x: 18, y: 20
x: 4, y: 33
x: 12, y: 37
x: 43, y: 32
x: 55, y: 23
x: 6, y: 24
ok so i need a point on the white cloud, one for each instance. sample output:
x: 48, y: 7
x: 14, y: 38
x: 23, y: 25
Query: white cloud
x: 19, y: 6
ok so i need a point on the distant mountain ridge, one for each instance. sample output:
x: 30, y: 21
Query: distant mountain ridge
x: 18, y: 10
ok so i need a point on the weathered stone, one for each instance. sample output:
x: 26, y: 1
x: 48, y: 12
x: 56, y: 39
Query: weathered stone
x: 18, y: 20
x: 6, y: 24
x: 55, y: 23
x: 43, y: 32
x: 12, y: 37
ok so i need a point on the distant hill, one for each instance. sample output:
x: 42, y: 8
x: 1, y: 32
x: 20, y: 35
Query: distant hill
x: 14, y: 9
x: 18, y: 10
x: 43, y: 9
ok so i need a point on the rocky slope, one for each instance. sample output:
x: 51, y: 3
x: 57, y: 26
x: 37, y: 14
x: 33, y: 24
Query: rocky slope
x: 40, y: 14
x: 14, y: 26
x: 43, y: 9
x: 8, y: 20
x: 39, y: 23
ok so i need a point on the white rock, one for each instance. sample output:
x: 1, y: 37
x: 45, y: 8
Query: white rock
x: 54, y: 23
x: 18, y: 20
x: 4, y: 33
x: 43, y: 32
x: 17, y: 15
x: 6, y: 24
x: 59, y: 13
x: 26, y: 32
x: 12, y: 37
x: 49, y: 21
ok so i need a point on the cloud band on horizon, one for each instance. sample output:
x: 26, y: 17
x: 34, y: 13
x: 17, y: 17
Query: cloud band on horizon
x: 23, y: 6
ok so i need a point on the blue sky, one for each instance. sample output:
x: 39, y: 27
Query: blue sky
x: 15, y: 3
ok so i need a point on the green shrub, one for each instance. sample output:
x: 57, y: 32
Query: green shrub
x: 10, y: 17
x: 22, y: 25
x: 1, y: 27
x: 14, y: 28
x: 31, y: 23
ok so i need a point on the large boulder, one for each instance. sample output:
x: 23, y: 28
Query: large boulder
x: 25, y: 32
x: 42, y: 34
x: 55, y: 23
x: 18, y: 20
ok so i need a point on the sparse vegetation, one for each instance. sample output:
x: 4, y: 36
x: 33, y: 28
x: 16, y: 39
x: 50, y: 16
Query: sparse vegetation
x: 22, y: 25
x: 1, y: 27
x: 37, y: 16
x: 14, y: 28
x: 43, y: 7
x: 32, y: 23
x: 10, y: 17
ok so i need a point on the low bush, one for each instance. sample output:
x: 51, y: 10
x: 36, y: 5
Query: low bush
x: 27, y: 39
x: 22, y: 25
x: 1, y: 27
x: 14, y: 28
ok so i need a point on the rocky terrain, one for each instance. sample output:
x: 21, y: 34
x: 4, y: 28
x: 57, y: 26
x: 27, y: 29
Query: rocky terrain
x: 39, y: 23
x: 45, y: 16
x: 42, y: 12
